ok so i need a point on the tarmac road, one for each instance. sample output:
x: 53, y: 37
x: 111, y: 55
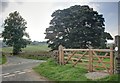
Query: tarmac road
x: 19, y: 69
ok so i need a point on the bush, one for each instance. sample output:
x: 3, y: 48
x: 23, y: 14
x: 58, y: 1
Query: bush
x: 39, y: 55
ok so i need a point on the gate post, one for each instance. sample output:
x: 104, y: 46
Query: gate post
x: 111, y: 61
x: 117, y: 49
x: 61, y: 55
x: 90, y: 61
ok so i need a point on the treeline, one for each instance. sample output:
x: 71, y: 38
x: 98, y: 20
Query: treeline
x: 3, y: 44
x: 37, y: 42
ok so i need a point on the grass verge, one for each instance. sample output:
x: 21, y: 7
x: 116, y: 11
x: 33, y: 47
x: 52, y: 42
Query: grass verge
x: 56, y: 72
x: 53, y: 71
x: 110, y: 78
x: 3, y: 59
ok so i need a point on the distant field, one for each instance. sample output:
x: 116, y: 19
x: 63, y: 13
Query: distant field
x: 33, y: 48
x: 39, y: 52
x: 29, y: 48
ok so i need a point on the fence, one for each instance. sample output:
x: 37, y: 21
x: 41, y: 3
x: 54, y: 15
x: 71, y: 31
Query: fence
x: 94, y: 59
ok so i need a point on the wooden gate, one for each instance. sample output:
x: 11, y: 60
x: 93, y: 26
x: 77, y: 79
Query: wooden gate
x: 95, y: 59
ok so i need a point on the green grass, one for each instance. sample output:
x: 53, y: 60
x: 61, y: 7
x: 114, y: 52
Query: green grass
x: 3, y: 59
x: 29, y: 48
x: 110, y: 78
x: 56, y: 72
x: 53, y: 71
x: 7, y: 49
x: 39, y: 52
x: 33, y: 48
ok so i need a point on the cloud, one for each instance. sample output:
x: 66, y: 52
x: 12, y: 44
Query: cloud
x: 5, y: 3
x: 119, y: 18
x: 95, y: 6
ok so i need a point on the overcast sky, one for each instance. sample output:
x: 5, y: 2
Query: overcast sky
x: 38, y: 14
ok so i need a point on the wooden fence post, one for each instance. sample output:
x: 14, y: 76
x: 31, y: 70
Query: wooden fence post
x: 111, y: 61
x: 117, y: 49
x: 61, y: 55
x: 90, y: 61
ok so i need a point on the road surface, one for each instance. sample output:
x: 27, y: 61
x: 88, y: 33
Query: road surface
x: 19, y: 69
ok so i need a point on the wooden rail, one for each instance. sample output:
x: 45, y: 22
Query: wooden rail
x: 92, y: 56
x: 99, y: 50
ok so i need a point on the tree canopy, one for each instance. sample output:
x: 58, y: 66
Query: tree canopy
x: 77, y: 27
x: 14, y: 32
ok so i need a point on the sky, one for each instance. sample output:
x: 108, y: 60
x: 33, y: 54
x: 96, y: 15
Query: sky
x: 38, y: 13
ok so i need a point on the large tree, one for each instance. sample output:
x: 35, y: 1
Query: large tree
x: 14, y: 32
x: 77, y: 27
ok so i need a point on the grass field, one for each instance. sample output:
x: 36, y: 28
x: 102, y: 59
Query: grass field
x: 29, y: 48
x: 85, y: 61
x: 39, y: 52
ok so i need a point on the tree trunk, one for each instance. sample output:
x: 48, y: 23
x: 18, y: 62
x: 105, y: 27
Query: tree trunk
x: 15, y: 50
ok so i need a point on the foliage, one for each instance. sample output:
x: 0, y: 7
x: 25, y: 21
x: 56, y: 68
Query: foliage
x: 34, y: 56
x: 14, y: 31
x: 77, y: 27
x: 38, y: 43
x: 38, y: 55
